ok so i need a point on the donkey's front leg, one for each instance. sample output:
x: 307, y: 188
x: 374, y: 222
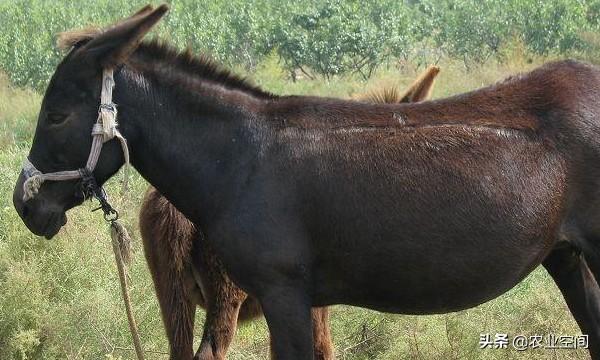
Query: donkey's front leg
x: 288, y: 314
x: 267, y: 254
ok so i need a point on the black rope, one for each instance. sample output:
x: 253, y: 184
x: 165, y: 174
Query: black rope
x: 90, y: 190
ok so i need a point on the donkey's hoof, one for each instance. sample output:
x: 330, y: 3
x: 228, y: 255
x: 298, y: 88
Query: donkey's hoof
x: 205, y: 353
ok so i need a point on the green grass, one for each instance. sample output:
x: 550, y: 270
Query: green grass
x: 60, y: 299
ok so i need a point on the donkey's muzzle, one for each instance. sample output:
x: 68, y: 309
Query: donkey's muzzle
x: 40, y: 219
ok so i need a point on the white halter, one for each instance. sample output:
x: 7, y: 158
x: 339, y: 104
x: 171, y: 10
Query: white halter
x: 103, y: 130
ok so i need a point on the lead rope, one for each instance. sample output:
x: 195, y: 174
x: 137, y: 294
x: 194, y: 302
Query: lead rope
x: 104, y: 130
x: 121, y: 241
x: 121, y: 245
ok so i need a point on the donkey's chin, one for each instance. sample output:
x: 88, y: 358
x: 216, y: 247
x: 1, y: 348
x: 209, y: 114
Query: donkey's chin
x: 54, y: 224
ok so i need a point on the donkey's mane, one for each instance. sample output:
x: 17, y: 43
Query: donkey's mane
x: 70, y: 38
x: 161, y: 53
x: 203, y: 66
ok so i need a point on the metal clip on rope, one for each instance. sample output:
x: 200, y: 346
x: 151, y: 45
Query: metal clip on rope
x: 90, y: 189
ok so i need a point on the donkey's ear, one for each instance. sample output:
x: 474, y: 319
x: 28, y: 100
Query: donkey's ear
x: 79, y: 37
x: 114, y: 45
x: 143, y: 11
x: 421, y: 88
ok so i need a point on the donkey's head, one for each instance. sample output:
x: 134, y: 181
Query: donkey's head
x: 50, y: 183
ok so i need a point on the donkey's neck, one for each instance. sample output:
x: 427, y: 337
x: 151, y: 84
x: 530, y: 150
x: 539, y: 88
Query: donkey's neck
x: 182, y: 139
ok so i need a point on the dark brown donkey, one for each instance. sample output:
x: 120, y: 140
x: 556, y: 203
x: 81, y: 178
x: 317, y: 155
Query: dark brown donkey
x: 307, y: 201
x: 171, y: 241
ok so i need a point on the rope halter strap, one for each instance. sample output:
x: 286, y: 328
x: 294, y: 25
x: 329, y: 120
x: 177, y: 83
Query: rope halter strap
x: 104, y: 129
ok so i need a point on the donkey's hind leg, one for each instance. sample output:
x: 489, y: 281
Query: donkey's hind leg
x: 323, y: 345
x: 580, y: 290
x: 590, y: 246
x: 223, y: 302
x: 174, y: 290
x: 167, y: 237
x: 177, y: 307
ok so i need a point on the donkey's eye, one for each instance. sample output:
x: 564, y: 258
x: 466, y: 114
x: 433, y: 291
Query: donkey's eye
x: 55, y: 118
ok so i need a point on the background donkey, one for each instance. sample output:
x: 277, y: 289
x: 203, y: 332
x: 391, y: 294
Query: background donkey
x: 172, y: 244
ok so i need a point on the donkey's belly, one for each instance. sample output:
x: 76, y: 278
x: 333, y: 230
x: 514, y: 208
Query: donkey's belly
x: 412, y: 281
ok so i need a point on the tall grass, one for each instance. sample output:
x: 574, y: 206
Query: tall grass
x: 60, y: 299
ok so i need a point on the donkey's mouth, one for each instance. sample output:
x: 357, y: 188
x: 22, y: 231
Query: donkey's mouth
x: 55, y: 222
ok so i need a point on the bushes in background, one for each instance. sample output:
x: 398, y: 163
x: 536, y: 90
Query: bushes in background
x: 314, y: 37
